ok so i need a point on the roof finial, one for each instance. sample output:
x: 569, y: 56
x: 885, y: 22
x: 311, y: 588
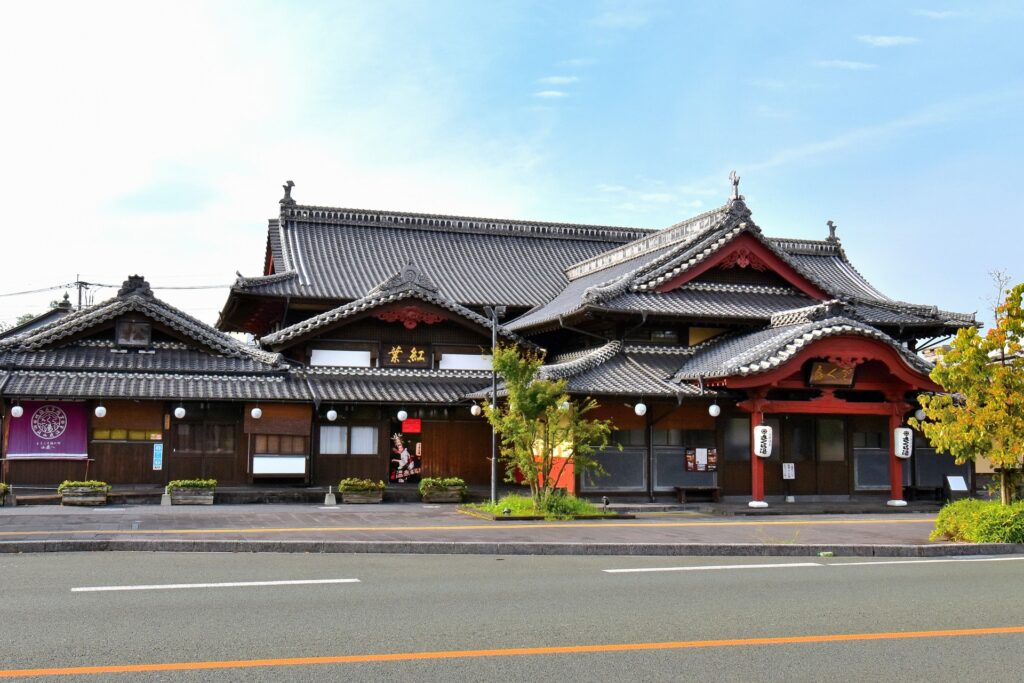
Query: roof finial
x: 735, y: 180
x: 287, y: 199
x: 832, y: 231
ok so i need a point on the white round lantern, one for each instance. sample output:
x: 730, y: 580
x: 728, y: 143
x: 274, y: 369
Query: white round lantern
x: 402, y: 416
x: 714, y: 410
x: 17, y: 411
x: 256, y: 413
x: 763, y: 441
x: 640, y: 409
x: 920, y: 415
x: 332, y: 415
x: 475, y: 410
x: 100, y: 411
x: 179, y: 412
x: 565, y: 405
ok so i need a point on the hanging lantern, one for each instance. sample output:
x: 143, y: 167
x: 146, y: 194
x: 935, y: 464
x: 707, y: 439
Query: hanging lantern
x: 475, y: 410
x: 332, y: 415
x: 763, y: 441
x: 640, y: 409
x: 714, y: 410
x: 256, y: 413
x: 17, y: 411
x: 179, y: 412
x: 100, y: 411
x: 402, y: 416
x: 903, y: 438
x: 920, y: 415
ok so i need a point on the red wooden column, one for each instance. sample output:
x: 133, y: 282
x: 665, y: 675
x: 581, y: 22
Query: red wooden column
x: 757, y: 465
x: 895, y: 464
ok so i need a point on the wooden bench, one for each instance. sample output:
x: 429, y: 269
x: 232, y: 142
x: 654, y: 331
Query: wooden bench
x: 714, y: 491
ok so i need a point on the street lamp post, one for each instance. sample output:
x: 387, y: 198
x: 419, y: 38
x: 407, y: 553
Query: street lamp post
x: 494, y: 312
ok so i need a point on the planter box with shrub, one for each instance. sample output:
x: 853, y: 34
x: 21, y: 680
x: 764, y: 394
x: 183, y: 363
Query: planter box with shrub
x: 355, y: 490
x: 442, y: 490
x: 191, y: 491
x: 83, y: 492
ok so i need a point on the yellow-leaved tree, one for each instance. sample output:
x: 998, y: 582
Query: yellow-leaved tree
x: 983, y: 413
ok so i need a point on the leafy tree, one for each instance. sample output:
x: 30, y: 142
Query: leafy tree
x: 542, y: 431
x: 983, y: 413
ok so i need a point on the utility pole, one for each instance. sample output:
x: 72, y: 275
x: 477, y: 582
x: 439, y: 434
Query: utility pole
x: 494, y: 312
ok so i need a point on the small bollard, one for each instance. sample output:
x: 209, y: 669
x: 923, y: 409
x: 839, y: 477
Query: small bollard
x: 329, y: 499
x: 165, y: 499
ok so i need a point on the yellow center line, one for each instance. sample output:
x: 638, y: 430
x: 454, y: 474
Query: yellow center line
x: 467, y: 527
x: 507, y: 652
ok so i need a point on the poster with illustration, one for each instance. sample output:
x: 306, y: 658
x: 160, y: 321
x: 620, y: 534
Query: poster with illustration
x: 701, y: 459
x: 406, y: 454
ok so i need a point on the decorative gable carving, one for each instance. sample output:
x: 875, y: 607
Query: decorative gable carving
x: 743, y: 258
x: 409, y: 316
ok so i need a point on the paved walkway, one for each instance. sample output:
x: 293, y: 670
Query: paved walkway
x: 419, y: 528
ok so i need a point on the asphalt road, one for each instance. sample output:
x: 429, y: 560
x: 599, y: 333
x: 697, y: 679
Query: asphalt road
x: 482, y: 618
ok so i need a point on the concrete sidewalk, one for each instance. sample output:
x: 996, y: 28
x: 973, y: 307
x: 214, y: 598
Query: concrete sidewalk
x: 419, y: 528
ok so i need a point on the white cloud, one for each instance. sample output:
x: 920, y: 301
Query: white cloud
x: 844, y: 64
x: 936, y: 14
x: 551, y: 94
x: 887, y: 41
x: 558, y: 80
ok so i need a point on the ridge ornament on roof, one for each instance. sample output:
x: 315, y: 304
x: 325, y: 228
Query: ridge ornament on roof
x: 137, y: 285
x: 735, y: 180
x: 410, y: 277
x: 287, y: 200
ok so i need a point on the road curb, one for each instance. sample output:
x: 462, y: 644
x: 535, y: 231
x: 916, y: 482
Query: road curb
x: 507, y: 548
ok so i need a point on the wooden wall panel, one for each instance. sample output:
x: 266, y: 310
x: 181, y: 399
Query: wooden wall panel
x: 690, y: 415
x: 280, y: 418
x: 48, y: 473
x: 622, y: 416
x: 330, y: 469
x: 136, y: 415
x: 125, y: 462
x: 458, y: 449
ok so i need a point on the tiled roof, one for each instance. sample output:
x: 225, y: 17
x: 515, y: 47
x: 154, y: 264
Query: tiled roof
x: 410, y: 283
x: 136, y: 297
x: 165, y: 386
x: 622, y: 370
x: 379, y: 385
x: 339, y: 254
x: 625, y: 279
x: 90, y: 357
x: 754, y: 352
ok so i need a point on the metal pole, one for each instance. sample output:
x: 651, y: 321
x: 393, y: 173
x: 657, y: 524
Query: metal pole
x: 494, y: 403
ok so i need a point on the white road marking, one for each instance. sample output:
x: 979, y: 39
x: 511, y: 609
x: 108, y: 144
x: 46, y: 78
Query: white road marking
x: 875, y: 563
x: 233, y: 584
x: 933, y: 561
x: 710, y: 567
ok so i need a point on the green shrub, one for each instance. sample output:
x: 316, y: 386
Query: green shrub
x: 559, y: 507
x: 980, y: 521
x: 355, y: 484
x: 90, y: 484
x: 436, y: 484
x: 3, y: 489
x: 191, y: 484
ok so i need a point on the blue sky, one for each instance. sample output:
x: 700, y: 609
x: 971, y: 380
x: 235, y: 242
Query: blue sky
x: 154, y: 138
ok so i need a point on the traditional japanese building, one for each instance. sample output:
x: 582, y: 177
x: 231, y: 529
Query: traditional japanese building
x: 375, y: 328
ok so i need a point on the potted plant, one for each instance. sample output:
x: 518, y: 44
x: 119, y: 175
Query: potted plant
x: 83, y: 492
x: 191, y: 491
x: 442, y: 489
x: 354, y: 490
